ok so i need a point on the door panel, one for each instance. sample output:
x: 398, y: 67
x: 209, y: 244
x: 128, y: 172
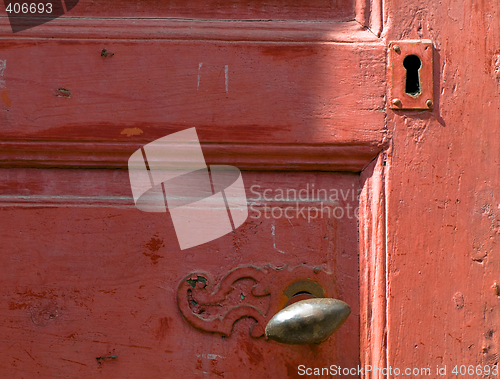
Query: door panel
x: 231, y: 92
x: 326, y: 10
x: 84, y: 281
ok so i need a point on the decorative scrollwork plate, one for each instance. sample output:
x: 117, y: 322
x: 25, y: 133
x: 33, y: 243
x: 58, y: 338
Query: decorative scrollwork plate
x: 247, y: 291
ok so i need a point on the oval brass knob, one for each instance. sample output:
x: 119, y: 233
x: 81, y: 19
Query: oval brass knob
x: 307, y: 321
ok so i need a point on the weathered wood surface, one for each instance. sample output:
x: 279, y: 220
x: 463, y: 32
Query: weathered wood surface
x: 444, y: 193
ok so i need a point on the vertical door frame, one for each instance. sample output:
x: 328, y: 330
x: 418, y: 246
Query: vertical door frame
x: 372, y: 267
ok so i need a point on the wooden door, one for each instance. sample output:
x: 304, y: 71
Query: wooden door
x: 290, y: 93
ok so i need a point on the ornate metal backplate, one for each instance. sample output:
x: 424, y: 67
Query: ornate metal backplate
x: 247, y: 291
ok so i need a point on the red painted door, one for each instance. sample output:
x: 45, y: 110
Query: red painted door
x: 346, y: 196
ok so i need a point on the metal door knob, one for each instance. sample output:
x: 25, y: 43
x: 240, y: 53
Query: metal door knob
x: 307, y: 321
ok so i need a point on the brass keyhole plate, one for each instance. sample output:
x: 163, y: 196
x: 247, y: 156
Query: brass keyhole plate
x: 397, y: 96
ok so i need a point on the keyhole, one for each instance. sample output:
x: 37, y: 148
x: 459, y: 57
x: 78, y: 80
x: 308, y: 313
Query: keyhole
x: 412, y: 65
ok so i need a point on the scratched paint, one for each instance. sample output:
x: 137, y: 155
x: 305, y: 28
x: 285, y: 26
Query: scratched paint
x: 273, y: 233
x: 3, y: 65
x: 210, y: 356
x: 199, y: 75
x: 226, y: 77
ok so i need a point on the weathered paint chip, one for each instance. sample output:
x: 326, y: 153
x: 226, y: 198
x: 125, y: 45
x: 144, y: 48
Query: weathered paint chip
x: 5, y: 98
x: 105, y: 53
x: 63, y: 92
x: 459, y: 300
x: 132, y: 132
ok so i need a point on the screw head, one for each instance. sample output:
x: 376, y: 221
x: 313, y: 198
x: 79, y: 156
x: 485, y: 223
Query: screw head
x: 429, y: 103
x: 397, y: 102
x: 396, y: 48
